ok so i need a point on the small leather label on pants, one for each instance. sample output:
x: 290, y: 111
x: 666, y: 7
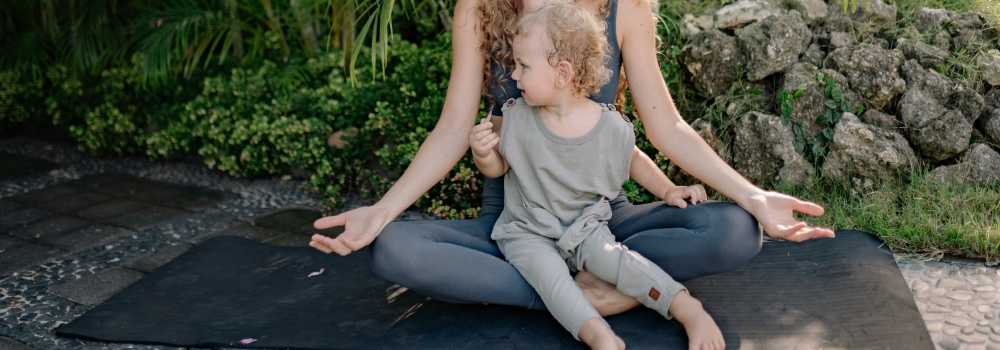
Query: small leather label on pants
x: 655, y: 294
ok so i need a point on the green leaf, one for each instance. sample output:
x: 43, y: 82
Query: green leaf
x: 828, y: 133
x: 837, y: 95
x: 821, y: 77
x: 844, y: 107
x: 859, y: 110
x: 800, y: 145
x: 831, y: 104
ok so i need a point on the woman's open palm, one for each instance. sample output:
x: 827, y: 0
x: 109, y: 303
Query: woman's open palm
x: 775, y: 213
x: 361, y: 226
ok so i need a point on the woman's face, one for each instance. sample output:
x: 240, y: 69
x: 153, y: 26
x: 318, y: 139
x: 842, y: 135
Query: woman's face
x: 535, y: 77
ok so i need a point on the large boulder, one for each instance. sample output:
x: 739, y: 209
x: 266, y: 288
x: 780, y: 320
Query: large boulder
x: 937, y: 112
x: 763, y: 152
x: 811, y: 104
x: 813, y: 11
x: 932, y: 21
x: 988, y: 63
x: 870, y: 70
x: 877, y: 13
x: 694, y: 25
x: 814, y: 55
x: 714, y: 60
x: 864, y: 152
x: 927, y: 55
x: 968, y: 30
x: 773, y: 45
x: 744, y: 12
x: 989, y: 121
x: 881, y: 120
x: 979, y: 166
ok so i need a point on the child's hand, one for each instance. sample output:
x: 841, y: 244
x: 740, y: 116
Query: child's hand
x: 677, y: 195
x: 482, y: 139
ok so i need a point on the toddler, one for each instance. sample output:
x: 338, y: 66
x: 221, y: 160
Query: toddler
x: 562, y: 156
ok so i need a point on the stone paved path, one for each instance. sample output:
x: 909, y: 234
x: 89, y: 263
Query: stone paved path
x: 78, y: 256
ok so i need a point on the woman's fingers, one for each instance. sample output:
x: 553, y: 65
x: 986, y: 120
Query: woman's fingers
x: 330, y: 221
x: 329, y: 245
x: 808, y: 208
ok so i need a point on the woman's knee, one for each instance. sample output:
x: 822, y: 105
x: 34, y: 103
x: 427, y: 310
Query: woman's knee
x: 391, y: 250
x: 737, y: 232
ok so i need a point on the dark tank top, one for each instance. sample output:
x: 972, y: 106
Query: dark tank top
x: 507, y: 87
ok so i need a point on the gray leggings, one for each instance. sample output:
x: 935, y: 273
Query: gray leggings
x: 456, y: 261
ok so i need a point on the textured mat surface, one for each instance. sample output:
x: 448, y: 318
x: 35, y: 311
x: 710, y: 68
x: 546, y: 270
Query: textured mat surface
x: 837, y: 293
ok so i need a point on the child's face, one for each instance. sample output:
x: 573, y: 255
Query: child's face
x: 534, y: 75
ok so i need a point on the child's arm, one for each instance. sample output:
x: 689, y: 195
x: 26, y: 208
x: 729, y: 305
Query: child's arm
x: 645, y: 172
x: 485, y: 150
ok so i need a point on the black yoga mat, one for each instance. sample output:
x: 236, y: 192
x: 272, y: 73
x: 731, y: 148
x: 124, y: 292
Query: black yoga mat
x: 835, y: 293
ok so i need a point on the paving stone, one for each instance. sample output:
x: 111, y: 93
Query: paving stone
x: 962, y: 297
x: 949, y: 343
x: 158, y: 193
x: 145, y: 217
x: 938, y: 291
x: 941, y: 301
x: 958, y: 322
x: 958, y: 314
x: 950, y: 330
x: 989, y: 316
x: 921, y: 295
x: 7, y: 206
x: 996, y: 329
x: 982, y: 308
x: 984, y: 278
x: 957, y: 303
x: 984, y: 288
x: 244, y: 230
x: 194, y: 198
x: 974, y: 338
x: 287, y: 219
x: 94, y: 289
x: 8, y: 243
x: 159, y: 258
x: 74, y: 203
x: 921, y: 305
x: 49, y: 227
x: 984, y: 323
x: 992, y: 346
x: 86, y: 238
x: 111, y: 210
x: 25, y: 256
x: 919, y: 286
x: 955, y: 273
x: 124, y: 189
x: 983, y: 329
x: 290, y: 240
x: 964, y: 291
x: 938, y: 309
x: 94, y: 181
x: 995, y: 338
x: 978, y: 302
x: 967, y: 308
x: 976, y: 316
x: 975, y: 347
x: 968, y: 330
x: 929, y: 317
x: 46, y: 194
x: 22, y: 217
x: 14, y: 166
x: 949, y: 283
x: 987, y: 296
x: 934, y: 326
x: 11, y: 344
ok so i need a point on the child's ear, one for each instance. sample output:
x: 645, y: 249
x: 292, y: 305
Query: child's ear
x: 565, y: 74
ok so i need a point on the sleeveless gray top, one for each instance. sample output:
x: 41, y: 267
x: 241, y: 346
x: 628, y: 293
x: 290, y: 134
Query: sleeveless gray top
x: 506, y: 88
x: 559, y: 187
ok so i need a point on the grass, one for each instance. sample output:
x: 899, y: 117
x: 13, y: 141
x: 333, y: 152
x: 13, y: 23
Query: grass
x: 916, y: 216
x: 919, y: 217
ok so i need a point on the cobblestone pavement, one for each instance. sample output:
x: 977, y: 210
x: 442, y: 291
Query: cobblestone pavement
x: 958, y: 300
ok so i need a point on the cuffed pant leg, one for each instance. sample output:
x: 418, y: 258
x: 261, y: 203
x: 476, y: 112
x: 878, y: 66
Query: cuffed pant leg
x: 544, y: 267
x: 631, y: 273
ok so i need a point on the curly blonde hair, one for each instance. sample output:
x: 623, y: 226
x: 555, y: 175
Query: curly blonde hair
x: 577, y: 37
x: 499, y: 18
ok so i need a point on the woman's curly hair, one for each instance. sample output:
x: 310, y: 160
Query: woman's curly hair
x: 576, y: 37
x: 499, y: 18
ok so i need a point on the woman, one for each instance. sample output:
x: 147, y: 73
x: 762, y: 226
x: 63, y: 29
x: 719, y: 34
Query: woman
x: 455, y: 260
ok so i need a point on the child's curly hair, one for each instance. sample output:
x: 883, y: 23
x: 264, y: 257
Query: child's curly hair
x: 577, y: 37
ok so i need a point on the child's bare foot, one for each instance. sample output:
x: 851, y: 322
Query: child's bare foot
x: 603, y: 296
x: 702, y: 332
x: 597, y: 335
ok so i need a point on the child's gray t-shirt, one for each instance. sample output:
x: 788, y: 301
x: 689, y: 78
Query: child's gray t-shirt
x: 559, y: 187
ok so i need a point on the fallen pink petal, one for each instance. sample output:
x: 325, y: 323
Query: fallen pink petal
x: 317, y: 273
x: 246, y: 341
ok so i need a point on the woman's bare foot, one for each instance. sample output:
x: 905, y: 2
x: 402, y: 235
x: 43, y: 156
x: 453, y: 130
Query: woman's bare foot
x: 597, y: 335
x: 702, y: 332
x: 603, y: 296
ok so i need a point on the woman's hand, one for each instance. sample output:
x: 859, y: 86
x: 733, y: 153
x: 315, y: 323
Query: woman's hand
x: 361, y: 226
x: 774, y: 212
x: 678, y: 196
x: 483, y: 139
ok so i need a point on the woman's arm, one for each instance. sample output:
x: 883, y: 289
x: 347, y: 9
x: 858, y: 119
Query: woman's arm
x: 671, y: 135
x: 446, y: 144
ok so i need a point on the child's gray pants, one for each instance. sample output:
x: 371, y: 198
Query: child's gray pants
x: 547, y: 268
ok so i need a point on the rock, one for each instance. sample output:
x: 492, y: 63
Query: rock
x: 979, y: 166
x: 871, y: 71
x: 841, y: 39
x: 988, y: 64
x: 714, y: 60
x: 930, y: 20
x: 927, y: 55
x: 937, y: 112
x: 763, y: 152
x: 867, y: 152
x: 989, y: 121
x: 744, y: 97
x: 772, y: 46
x: 694, y: 25
x: 707, y: 133
x: 813, y: 11
x: 877, y: 13
x: 810, y: 104
x: 814, y: 55
x: 744, y: 12
x: 875, y: 117
x: 967, y: 30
